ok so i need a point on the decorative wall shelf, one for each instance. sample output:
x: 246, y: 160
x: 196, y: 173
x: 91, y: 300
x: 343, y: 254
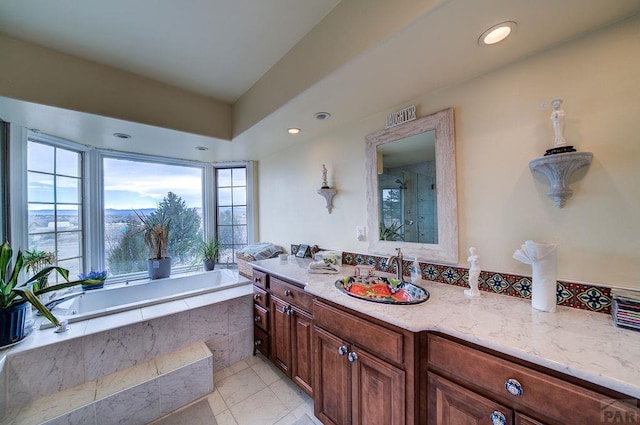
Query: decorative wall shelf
x: 558, y: 168
x: 328, y: 195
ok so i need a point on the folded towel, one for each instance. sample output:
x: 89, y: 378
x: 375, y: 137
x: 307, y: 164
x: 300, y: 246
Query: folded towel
x: 543, y: 260
x: 322, y: 267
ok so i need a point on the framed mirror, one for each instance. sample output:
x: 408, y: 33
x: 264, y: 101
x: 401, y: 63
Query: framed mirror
x: 411, y: 189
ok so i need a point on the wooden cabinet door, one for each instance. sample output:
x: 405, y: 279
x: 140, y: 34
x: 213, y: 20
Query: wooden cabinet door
x: 526, y: 420
x: 451, y: 404
x: 378, y: 390
x: 301, y: 355
x: 281, y: 335
x: 332, y: 376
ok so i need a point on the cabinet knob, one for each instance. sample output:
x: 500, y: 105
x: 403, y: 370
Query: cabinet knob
x: 353, y: 356
x: 257, y: 297
x: 257, y: 279
x: 287, y: 310
x: 258, y: 342
x: 498, y: 418
x: 514, y: 387
x: 287, y: 293
x: 256, y: 319
x: 342, y: 350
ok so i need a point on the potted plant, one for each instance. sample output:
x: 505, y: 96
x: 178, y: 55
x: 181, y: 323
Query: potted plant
x: 391, y: 232
x: 93, y: 280
x: 209, y: 250
x: 155, y: 228
x: 34, y: 261
x: 15, y: 296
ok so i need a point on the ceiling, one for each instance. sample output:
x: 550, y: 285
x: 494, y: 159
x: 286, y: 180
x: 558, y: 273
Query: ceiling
x: 221, y: 48
x: 218, y: 48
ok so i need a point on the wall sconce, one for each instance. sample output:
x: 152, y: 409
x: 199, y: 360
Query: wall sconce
x: 561, y: 161
x: 325, y: 191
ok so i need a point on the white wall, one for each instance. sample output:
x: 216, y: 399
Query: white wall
x: 500, y: 127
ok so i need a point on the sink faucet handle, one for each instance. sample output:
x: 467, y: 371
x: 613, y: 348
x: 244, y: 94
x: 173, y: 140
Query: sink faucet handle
x: 399, y: 251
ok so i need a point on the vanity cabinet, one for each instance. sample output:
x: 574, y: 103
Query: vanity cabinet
x: 469, y: 385
x: 363, y: 370
x: 261, y: 317
x: 282, y: 327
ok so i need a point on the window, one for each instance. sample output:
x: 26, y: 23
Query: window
x: 135, y: 187
x: 231, y: 217
x: 81, y: 204
x: 54, y: 204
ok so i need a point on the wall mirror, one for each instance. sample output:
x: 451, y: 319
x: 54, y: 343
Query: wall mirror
x: 411, y: 189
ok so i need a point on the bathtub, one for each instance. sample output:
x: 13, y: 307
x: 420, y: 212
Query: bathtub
x: 129, y: 296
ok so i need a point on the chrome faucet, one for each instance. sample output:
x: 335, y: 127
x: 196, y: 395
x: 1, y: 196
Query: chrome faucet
x: 397, y: 259
x: 51, y: 304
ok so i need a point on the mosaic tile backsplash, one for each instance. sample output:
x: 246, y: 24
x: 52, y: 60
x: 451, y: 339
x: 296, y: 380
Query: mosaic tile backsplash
x: 577, y: 295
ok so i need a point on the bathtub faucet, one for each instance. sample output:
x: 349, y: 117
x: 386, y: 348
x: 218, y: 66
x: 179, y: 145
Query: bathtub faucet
x: 53, y: 303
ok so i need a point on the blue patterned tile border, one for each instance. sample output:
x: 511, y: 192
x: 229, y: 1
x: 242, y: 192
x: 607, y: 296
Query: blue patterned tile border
x: 583, y: 296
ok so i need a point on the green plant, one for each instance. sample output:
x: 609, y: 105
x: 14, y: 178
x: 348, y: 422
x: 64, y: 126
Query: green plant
x: 209, y: 249
x: 155, y: 229
x: 13, y: 293
x: 34, y: 261
x: 390, y: 233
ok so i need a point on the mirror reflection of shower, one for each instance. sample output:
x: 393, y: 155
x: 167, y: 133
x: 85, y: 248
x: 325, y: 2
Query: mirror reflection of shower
x: 408, y: 203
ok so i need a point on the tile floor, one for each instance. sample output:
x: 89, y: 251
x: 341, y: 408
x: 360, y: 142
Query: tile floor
x: 250, y: 392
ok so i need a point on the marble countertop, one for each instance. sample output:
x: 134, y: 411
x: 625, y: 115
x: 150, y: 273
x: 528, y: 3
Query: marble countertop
x: 580, y: 343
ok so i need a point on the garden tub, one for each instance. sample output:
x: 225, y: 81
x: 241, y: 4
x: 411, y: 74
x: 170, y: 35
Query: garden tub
x: 128, y: 296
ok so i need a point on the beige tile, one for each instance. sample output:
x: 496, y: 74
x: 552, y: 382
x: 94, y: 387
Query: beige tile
x: 230, y: 370
x: 126, y: 378
x: 239, y: 386
x: 261, y: 408
x: 288, y: 393
x: 56, y: 404
x: 217, y: 402
x: 268, y: 372
x: 226, y: 418
x: 175, y: 360
x: 290, y: 419
x: 257, y: 358
x: 198, y: 413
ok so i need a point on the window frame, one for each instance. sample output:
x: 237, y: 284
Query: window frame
x: 92, y: 204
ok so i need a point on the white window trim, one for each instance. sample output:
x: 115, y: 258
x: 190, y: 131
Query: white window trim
x: 93, y: 194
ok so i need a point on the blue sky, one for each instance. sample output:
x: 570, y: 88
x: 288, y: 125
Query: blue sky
x: 127, y: 184
x: 130, y: 184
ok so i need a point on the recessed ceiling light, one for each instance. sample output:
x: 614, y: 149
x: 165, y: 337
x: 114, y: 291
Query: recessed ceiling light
x: 497, y: 33
x: 202, y: 148
x: 122, y: 135
x: 322, y: 116
x: 293, y: 130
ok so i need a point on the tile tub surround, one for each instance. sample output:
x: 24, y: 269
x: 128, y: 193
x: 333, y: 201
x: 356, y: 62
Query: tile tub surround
x: 579, y: 343
x: 48, y: 362
x: 138, y: 394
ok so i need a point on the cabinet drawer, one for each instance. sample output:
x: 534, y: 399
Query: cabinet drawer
x: 261, y: 340
x: 261, y: 317
x: 558, y: 400
x: 260, y: 279
x: 260, y: 297
x: 375, y: 339
x: 291, y: 294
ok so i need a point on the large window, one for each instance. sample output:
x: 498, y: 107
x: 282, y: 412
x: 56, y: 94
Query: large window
x: 134, y: 188
x: 232, y: 223
x: 83, y: 204
x: 54, y: 204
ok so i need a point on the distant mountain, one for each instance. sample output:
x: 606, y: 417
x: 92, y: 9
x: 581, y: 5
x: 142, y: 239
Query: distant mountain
x: 113, y: 211
x: 108, y: 211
